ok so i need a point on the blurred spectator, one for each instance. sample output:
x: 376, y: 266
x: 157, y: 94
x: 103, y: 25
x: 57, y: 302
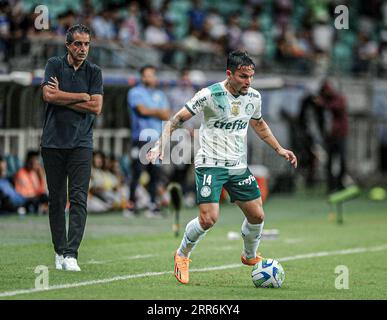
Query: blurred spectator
x: 103, y: 24
x: 4, y: 30
x: 10, y: 199
x: 366, y: 53
x: 130, y: 28
x: 216, y: 25
x: 65, y: 21
x: 97, y: 191
x: 254, y: 42
x: 199, y: 48
x: 283, y: 12
x: 156, y: 36
x: 295, y: 51
x: 382, y: 65
x: 336, y: 135
x: 113, y: 182
x: 108, y: 190
x: 169, y: 50
x: 196, y: 15
x: 19, y: 26
x: 370, y: 13
x: 323, y: 33
x: 384, y: 13
x: 178, y: 96
x: 87, y: 9
x: 30, y: 182
x: 311, y: 133
x: 119, y: 184
x: 148, y: 107
x: 234, y: 33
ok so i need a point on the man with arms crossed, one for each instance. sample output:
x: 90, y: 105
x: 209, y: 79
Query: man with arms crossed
x: 73, y: 90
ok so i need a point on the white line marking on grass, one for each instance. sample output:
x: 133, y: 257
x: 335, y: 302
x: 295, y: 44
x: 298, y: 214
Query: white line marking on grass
x: 332, y: 253
x: 139, y: 256
x: 228, y: 266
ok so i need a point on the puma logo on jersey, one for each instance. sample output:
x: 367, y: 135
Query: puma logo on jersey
x: 221, y: 107
x: 235, y: 125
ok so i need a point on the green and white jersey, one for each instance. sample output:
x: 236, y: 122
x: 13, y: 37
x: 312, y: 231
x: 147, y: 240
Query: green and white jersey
x: 222, y: 134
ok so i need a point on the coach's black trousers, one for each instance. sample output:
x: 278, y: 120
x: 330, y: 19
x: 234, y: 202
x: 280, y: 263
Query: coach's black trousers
x: 67, y: 170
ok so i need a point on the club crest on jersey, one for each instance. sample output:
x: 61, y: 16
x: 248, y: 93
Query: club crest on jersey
x: 249, y: 109
x: 205, y: 191
x: 235, y: 107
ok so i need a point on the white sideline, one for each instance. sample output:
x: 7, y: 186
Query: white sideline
x: 139, y: 256
x: 228, y: 266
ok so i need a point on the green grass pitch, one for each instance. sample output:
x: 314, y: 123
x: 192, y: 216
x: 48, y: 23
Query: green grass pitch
x: 133, y: 258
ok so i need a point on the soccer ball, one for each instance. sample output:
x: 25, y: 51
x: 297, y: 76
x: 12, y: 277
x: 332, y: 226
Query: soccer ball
x: 268, y: 273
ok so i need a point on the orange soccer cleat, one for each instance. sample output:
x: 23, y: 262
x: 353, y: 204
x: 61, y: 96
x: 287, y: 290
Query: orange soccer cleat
x: 182, y: 268
x: 251, y: 261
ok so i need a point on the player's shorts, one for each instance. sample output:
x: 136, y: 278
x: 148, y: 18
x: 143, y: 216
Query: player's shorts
x: 240, y: 184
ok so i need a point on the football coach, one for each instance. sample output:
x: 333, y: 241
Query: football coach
x: 73, y: 92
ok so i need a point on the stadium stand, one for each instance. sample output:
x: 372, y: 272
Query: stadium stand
x: 299, y: 48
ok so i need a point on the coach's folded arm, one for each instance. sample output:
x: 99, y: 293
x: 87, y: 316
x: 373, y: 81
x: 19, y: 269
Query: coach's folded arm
x: 81, y: 102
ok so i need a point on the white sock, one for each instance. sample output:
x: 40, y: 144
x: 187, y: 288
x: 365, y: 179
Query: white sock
x: 192, y: 235
x: 251, y: 234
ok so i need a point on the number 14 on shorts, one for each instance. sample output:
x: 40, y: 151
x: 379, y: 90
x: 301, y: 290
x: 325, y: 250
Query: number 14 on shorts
x: 207, y: 179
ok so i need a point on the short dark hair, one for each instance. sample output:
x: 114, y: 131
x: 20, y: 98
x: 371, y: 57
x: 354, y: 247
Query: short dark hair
x: 237, y: 59
x: 30, y: 155
x: 147, y: 66
x: 77, y: 28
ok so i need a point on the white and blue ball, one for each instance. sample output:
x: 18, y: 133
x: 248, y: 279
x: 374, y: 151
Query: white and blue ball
x: 268, y: 273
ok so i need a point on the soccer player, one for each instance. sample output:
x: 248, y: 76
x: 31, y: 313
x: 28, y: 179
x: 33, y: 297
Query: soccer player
x: 228, y: 108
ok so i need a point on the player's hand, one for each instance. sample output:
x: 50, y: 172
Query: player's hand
x: 288, y: 155
x: 54, y: 84
x: 154, y: 153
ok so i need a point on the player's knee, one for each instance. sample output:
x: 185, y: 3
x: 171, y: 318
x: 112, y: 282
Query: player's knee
x: 258, y: 217
x: 207, y: 219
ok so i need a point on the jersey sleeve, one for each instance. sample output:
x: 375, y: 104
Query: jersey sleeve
x: 198, y: 102
x: 257, y: 113
x: 96, y: 86
x: 51, y: 70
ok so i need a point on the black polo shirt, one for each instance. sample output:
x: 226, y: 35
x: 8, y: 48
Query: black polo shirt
x: 64, y: 128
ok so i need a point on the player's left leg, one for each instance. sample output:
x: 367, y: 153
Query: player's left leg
x: 244, y: 191
x: 251, y: 229
x: 209, y: 182
x: 197, y: 228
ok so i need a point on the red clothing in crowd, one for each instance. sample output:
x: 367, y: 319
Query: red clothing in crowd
x: 29, y: 184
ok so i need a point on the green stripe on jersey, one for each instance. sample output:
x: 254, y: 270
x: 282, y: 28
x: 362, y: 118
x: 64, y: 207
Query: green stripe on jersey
x: 219, y: 96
